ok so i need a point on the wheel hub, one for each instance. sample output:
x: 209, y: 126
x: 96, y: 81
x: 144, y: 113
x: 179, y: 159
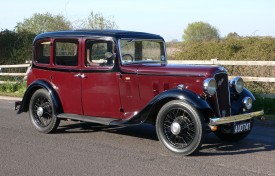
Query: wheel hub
x: 39, y: 111
x: 175, y: 128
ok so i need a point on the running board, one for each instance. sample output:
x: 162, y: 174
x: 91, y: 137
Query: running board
x: 99, y: 120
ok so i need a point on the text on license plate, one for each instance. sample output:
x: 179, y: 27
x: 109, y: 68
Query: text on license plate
x: 241, y: 127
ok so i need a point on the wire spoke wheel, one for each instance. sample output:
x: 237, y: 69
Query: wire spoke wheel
x: 180, y: 127
x: 41, y: 111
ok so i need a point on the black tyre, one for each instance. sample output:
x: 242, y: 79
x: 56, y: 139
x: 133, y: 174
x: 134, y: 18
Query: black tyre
x: 41, y: 112
x: 180, y: 127
x: 225, y: 133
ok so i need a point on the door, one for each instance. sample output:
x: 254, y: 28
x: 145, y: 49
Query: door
x: 66, y: 68
x: 100, y: 90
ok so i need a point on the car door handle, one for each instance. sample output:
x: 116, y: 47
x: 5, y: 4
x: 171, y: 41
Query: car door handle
x: 83, y: 75
x: 79, y: 75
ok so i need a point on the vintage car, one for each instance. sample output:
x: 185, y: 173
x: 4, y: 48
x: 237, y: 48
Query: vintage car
x: 115, y: 77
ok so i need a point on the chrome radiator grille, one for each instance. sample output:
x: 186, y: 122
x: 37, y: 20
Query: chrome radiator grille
x: 222, y: 95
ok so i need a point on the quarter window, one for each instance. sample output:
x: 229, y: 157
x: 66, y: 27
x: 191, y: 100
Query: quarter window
x: 43, y: 52
x: 66, y: 53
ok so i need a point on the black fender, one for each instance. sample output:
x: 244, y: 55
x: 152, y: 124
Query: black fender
x: 237, y: 100
x: 150, y: 111
x: 39, y: 84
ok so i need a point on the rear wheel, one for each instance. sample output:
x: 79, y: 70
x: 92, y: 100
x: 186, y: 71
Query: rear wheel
x: 180, y: 127
x: 41, y: 112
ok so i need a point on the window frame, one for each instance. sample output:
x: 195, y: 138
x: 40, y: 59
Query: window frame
x: 99, y: 40
x: 35, y: 50
x: 142, y: 61
x: 69, y: 40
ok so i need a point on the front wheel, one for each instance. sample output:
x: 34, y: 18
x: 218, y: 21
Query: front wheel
x: 41, y: 112
x: 180, y: 127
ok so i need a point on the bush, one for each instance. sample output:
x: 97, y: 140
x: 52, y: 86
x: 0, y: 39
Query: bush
x: 15, y: 48
x: 11, y: 89
x: 232, y: 48
x: 266, y: 104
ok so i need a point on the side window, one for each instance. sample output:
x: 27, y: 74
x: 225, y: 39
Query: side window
x: 99, y: 53
x: 151, y: 50
x: 42, y: 52
x: 66, y: 53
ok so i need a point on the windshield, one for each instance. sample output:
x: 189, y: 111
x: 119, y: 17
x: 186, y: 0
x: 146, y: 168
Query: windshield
x: 139, y: 51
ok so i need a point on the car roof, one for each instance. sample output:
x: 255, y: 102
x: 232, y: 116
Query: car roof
x: 108, y: 33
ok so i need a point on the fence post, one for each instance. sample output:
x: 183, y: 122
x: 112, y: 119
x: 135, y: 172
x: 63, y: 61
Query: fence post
x: 27, y: 72
x: 214, y: 61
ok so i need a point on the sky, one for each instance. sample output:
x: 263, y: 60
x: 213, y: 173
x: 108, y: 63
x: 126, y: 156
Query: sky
x: 167, y: 18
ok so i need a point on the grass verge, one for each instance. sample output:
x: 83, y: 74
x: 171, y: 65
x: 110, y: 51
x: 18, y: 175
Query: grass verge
x: 13, y: 90
x: 270, y: 117
x: 266, y: 104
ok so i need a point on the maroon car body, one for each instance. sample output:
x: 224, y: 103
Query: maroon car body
x: 122, y: 78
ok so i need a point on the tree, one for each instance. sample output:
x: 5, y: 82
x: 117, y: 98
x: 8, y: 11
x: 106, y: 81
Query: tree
x: 174, y: 41
x: 40, y: 23
x: 98, y: 21
x: 15, y: 47
x: 199, y: 32
x: 233, y: 35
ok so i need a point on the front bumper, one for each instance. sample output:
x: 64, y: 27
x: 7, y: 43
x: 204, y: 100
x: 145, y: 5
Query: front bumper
x: 236, y: 118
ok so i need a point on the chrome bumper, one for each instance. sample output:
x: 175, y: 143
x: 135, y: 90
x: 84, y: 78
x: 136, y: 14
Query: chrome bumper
x: 236, y: 118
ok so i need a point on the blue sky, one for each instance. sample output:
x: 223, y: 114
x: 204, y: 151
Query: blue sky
x: 167, y: 18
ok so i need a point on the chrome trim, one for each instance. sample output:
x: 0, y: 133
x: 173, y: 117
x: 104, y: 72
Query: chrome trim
x: 181, y: 86
x: 235, y: 118
x: 40, y: 111
x: 247, y: 102
x: 175, y: 128
x: 206, y: 87
x: 219, y: 111
x: 233, y: 83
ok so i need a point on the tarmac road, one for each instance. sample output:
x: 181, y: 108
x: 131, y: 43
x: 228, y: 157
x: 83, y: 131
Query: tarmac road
x: 90, y: 149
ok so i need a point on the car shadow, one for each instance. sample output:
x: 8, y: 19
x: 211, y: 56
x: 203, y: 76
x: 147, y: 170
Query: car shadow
x: 145, y: 131
x: 212, y: 145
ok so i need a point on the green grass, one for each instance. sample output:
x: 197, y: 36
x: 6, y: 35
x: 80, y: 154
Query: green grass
x: 13, y: 90
x: 12, y: 94
x: 266, y: 104
x: 270, y: 117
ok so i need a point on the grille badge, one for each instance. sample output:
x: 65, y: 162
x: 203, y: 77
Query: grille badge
x: 220, y: 82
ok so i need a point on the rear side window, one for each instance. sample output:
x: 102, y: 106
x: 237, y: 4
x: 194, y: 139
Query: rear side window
x: 42, y: 52
x: 66, y: 53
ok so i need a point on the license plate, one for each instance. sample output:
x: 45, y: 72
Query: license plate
x: 241, y: 127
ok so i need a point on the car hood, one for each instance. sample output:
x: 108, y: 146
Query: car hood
x: 178, y: 70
